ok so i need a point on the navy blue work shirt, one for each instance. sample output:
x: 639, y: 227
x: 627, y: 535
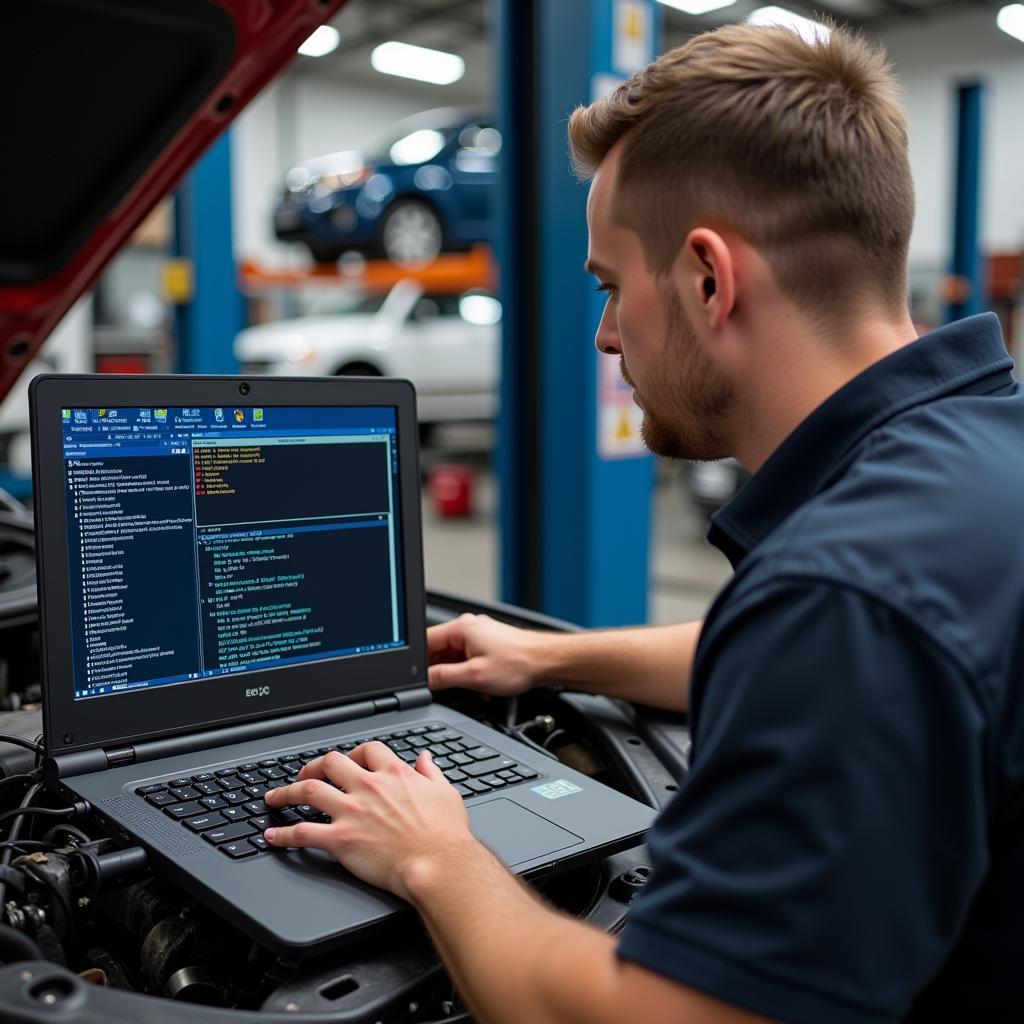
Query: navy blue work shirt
x: 848, y: 847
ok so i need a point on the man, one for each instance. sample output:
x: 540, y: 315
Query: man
x: 848, y: 846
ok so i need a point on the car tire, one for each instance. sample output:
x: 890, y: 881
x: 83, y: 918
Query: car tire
x: 325, y: 254
x: 411, y: 233
x: 357, y: 370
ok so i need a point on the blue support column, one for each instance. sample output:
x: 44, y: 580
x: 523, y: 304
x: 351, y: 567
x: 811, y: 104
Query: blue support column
x: 969, y: 280
x: 575, y: 509
x: 206, y: 325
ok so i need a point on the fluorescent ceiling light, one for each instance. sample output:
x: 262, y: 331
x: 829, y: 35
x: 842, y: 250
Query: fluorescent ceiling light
x: 418, y: 62
x: 322, y: 42
x: 697, y: 6
x: 809, y: 31
x: 1011, y: 20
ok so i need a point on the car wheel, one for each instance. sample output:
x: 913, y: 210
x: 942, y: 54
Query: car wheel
x: 411, y: 233
x: 357, y: 370
x: 325, y: 254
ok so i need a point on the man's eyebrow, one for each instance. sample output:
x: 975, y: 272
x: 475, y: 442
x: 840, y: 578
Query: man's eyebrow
x: 592, y: 267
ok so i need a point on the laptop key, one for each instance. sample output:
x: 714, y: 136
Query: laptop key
x: 234, y: 796
x: 305, y: 811
x: 203, y: 821
x: 460, y: 759
x: 508, y: 774
x: 186, y: 810
x: 464, y: 791
x: 261, y: 822
x: 252, y: 778
x: 455, y: 775
x: 224, y: 772
x: 272, y: 773
x: 435, y: 727
x: 155, y: 787
x: 400, y: 734
x: 525, y: 773
x: 417, y: 730
x: 443, y: 763
x: 178, y: 783
x: 268, y: 762
x: 475, y: 786
x: 235, y: 814
x: 256, y: 807
x: 494, y: 781
x: 231, y: 782
x: 249, y: 766
x: 481, y: 753
x: 408, y: 756
x: 494, y: 764
x: 259, y: 842
x: 161, y: 799
x: 213, y: 803
x: 226, y: 833
x: 202, y: 777
x: 185, y: 792
x: 208, y: 788
x: 238, y: 850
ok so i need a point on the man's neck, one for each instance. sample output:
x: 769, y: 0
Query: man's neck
x: 797, y: 369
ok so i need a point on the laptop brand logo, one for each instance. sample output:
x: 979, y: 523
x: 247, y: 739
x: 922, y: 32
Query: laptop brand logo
x: 257, y: 691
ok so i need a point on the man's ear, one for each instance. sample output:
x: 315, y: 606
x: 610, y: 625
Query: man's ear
x: 708, y: 275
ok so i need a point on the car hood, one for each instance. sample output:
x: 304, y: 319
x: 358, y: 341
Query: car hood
x: 110, y: 103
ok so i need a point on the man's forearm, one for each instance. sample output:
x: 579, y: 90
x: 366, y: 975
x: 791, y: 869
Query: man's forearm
x: 512, y: 958
x: 649, y: 665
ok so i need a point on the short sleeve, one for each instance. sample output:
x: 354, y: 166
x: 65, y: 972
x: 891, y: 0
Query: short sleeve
x: 821, y: 856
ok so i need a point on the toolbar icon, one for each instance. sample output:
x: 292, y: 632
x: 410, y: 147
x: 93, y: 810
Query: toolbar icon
x: 257, y: 415
x: 239, y: 416
x: 218, y: 415
x: 160, y: 415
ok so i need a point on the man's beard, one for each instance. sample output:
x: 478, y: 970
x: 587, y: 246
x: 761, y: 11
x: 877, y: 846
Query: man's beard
x: 685, y: 406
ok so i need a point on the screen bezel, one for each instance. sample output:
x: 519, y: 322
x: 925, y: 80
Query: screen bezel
x: 117, y: 720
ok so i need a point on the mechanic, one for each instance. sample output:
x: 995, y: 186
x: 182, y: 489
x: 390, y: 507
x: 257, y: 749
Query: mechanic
x: 848, y: 846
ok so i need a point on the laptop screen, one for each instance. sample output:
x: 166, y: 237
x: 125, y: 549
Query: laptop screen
x: 207, y: 541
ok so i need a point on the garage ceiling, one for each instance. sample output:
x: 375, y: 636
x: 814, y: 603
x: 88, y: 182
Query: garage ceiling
x: 461, y: 26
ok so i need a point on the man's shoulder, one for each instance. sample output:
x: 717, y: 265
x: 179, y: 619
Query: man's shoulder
x: 925, y: 517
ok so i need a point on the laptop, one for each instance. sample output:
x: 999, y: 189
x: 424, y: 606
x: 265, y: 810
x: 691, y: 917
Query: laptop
x: 230, y: 584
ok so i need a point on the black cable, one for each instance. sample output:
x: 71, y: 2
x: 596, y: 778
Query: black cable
x: 77, y: 809
x: 23, y: 777
x: 69, y: 829
x: 25, y: 845
x: 20, y: 741
x: 5, y: 857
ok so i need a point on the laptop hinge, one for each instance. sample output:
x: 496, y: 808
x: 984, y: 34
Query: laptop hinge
x: 82, y: 762
x: 418, y: 698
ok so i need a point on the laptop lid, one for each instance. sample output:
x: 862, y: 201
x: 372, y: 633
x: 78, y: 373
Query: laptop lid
x: 214, y: 550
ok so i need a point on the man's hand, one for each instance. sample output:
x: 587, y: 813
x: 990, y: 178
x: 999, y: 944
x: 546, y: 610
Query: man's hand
x: 476, y: 652
x: 386, y: 816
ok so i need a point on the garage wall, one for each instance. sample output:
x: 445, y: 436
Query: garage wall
x: 931, y: 59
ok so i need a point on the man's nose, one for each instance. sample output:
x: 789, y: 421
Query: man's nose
x: 607, y: 337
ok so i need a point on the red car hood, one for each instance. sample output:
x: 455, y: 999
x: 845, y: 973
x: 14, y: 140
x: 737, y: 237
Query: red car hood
x: 107, y: 105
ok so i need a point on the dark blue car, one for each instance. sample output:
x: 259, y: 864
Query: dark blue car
x: 429, y: 191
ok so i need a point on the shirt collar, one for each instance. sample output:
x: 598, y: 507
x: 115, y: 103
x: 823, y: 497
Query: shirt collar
x: 940, y: 363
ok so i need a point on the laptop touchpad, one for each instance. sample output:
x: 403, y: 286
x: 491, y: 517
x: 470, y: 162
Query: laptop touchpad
x: 516, y: 834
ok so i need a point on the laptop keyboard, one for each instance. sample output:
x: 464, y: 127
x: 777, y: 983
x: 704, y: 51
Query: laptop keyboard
x: 226, y: 806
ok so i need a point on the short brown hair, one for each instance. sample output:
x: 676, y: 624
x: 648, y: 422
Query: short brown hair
x: 800, y: 147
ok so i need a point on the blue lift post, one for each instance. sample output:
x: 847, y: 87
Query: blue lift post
x: 968, y: 278
x: 206, y: 325
x: 574, y: 518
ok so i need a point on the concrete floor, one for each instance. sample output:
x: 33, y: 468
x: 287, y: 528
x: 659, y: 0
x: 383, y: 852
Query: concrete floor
x: 461, y: 555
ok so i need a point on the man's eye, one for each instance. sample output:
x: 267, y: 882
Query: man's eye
x: 607, y: 288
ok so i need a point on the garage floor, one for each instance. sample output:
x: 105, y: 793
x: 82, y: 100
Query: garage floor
x: 461, y: 555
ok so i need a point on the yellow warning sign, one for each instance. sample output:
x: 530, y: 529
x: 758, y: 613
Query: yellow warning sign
x: 619, y: 418
x: 633, y: 41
